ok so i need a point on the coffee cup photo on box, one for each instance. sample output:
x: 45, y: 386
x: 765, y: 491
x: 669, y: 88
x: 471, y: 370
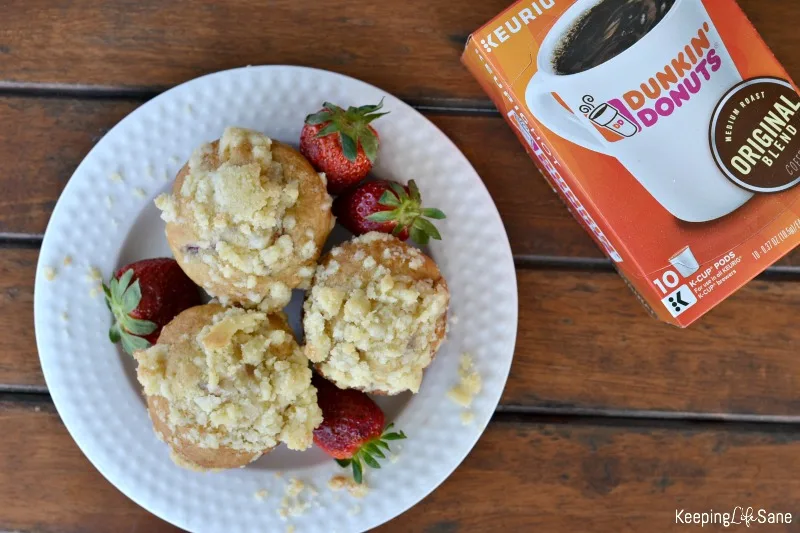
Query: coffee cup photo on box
x: 645, y: 70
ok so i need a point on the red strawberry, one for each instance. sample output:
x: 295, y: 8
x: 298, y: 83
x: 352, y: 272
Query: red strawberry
x: 387, y: 207
x: 144, y: 297
x: 341, y: 143
x: 352, y: 427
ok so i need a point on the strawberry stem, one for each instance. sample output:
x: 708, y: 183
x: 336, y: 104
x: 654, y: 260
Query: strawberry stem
x: 369, y: 450
x: 122, y: 298
x: 407, y: 213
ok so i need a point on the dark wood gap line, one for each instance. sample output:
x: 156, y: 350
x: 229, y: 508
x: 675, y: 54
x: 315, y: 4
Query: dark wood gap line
x: 21, y: 240
x: 542, y: 262
x: 32, y: 396
x: 521, y: 262
x: 23, y: 390
x: 442, y: 106
x: 599, y: 264
x: 683, y: 416
x: 790, y: 431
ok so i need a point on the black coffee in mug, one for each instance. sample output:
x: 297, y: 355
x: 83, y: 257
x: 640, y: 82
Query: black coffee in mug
x: 605, y: 31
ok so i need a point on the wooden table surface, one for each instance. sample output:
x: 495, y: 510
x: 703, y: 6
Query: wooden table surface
x: 610, y: 421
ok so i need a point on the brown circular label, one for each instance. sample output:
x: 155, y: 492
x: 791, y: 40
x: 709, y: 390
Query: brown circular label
x: 755, y: 135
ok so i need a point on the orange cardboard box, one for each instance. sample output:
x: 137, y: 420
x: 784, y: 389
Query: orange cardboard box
x: 668, y: 128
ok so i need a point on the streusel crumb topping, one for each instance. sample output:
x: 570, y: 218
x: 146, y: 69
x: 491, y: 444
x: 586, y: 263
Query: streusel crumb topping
x: 239, y: 204
x: 376, y: 330
x: 238, y: 383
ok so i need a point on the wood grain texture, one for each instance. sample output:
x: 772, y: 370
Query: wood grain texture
x: 55, y: 134
x: 19, y: 362
x: 130, y: 43
x: 577, y: 476
x: 410, y: 48
x: 584, y: 342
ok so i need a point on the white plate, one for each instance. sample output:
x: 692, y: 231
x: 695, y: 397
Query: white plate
x: 105, y: 223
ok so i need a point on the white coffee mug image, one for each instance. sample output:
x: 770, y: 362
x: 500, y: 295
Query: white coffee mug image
x: 664, y: 143
x: 685, y: 262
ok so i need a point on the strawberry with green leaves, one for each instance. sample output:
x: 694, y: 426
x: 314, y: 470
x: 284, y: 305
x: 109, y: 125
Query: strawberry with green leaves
x: 144, y: 297
x: 352, y: 429
x: 342, y: 144
x: 388, y: 207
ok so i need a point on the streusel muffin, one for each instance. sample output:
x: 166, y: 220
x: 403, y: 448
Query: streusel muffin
x: 375, y: 315
x: 247, y: 219
x: 225, y: 386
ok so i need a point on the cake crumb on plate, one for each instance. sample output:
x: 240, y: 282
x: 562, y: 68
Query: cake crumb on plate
x: 469, y: 384
x: 49, y: 273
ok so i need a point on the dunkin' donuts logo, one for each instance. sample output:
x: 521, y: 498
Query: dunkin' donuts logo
x: 661, y: 95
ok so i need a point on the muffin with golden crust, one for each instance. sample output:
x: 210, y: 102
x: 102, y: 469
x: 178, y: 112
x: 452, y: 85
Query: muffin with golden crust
x: 225, y: 386
x: 375, y: 315
x: 247, y: 219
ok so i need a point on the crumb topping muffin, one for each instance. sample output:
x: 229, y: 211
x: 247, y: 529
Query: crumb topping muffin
x: 376, y: 315
x: 226, y: 385
x: 247, y: 219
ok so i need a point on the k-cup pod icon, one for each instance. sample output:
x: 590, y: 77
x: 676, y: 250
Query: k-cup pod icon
x: 607, y: 116
x: 685, y: 262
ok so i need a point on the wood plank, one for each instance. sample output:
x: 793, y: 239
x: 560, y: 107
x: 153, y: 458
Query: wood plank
x: 410, y: 48
x: 19, y: 362
x: 55, y: 134
x: 573, y: 475
x: 584, y: 343
x: 132, y: 43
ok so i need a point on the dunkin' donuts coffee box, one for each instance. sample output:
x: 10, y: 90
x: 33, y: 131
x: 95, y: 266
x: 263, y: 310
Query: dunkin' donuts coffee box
x: 668, y: 128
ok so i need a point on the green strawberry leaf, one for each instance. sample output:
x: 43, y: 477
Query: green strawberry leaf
x: 394, y: 436
x: 370, y: 460
x: 399, y: 190
x: 419, y: 236
x: 132, y: 343
x: 427, y: 227
x: 131, y: 297
x: 382, y: 445
x: 373, y: 449
x: 357, y: 472
x: 389, y: 199
x: 369, y: 142
x: 432, y: 212
x: 332, y: 107
x: 121, y: 285
x: 114, y: 334
x: 364, y: 109
x: 383, y: 216
x: 376, y: 116
x: 328, y: 130
x: 344, y: 463
x: 412, y: 187
x: 319, y: 118
x: 139, y: 327
x: 349, y: 148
